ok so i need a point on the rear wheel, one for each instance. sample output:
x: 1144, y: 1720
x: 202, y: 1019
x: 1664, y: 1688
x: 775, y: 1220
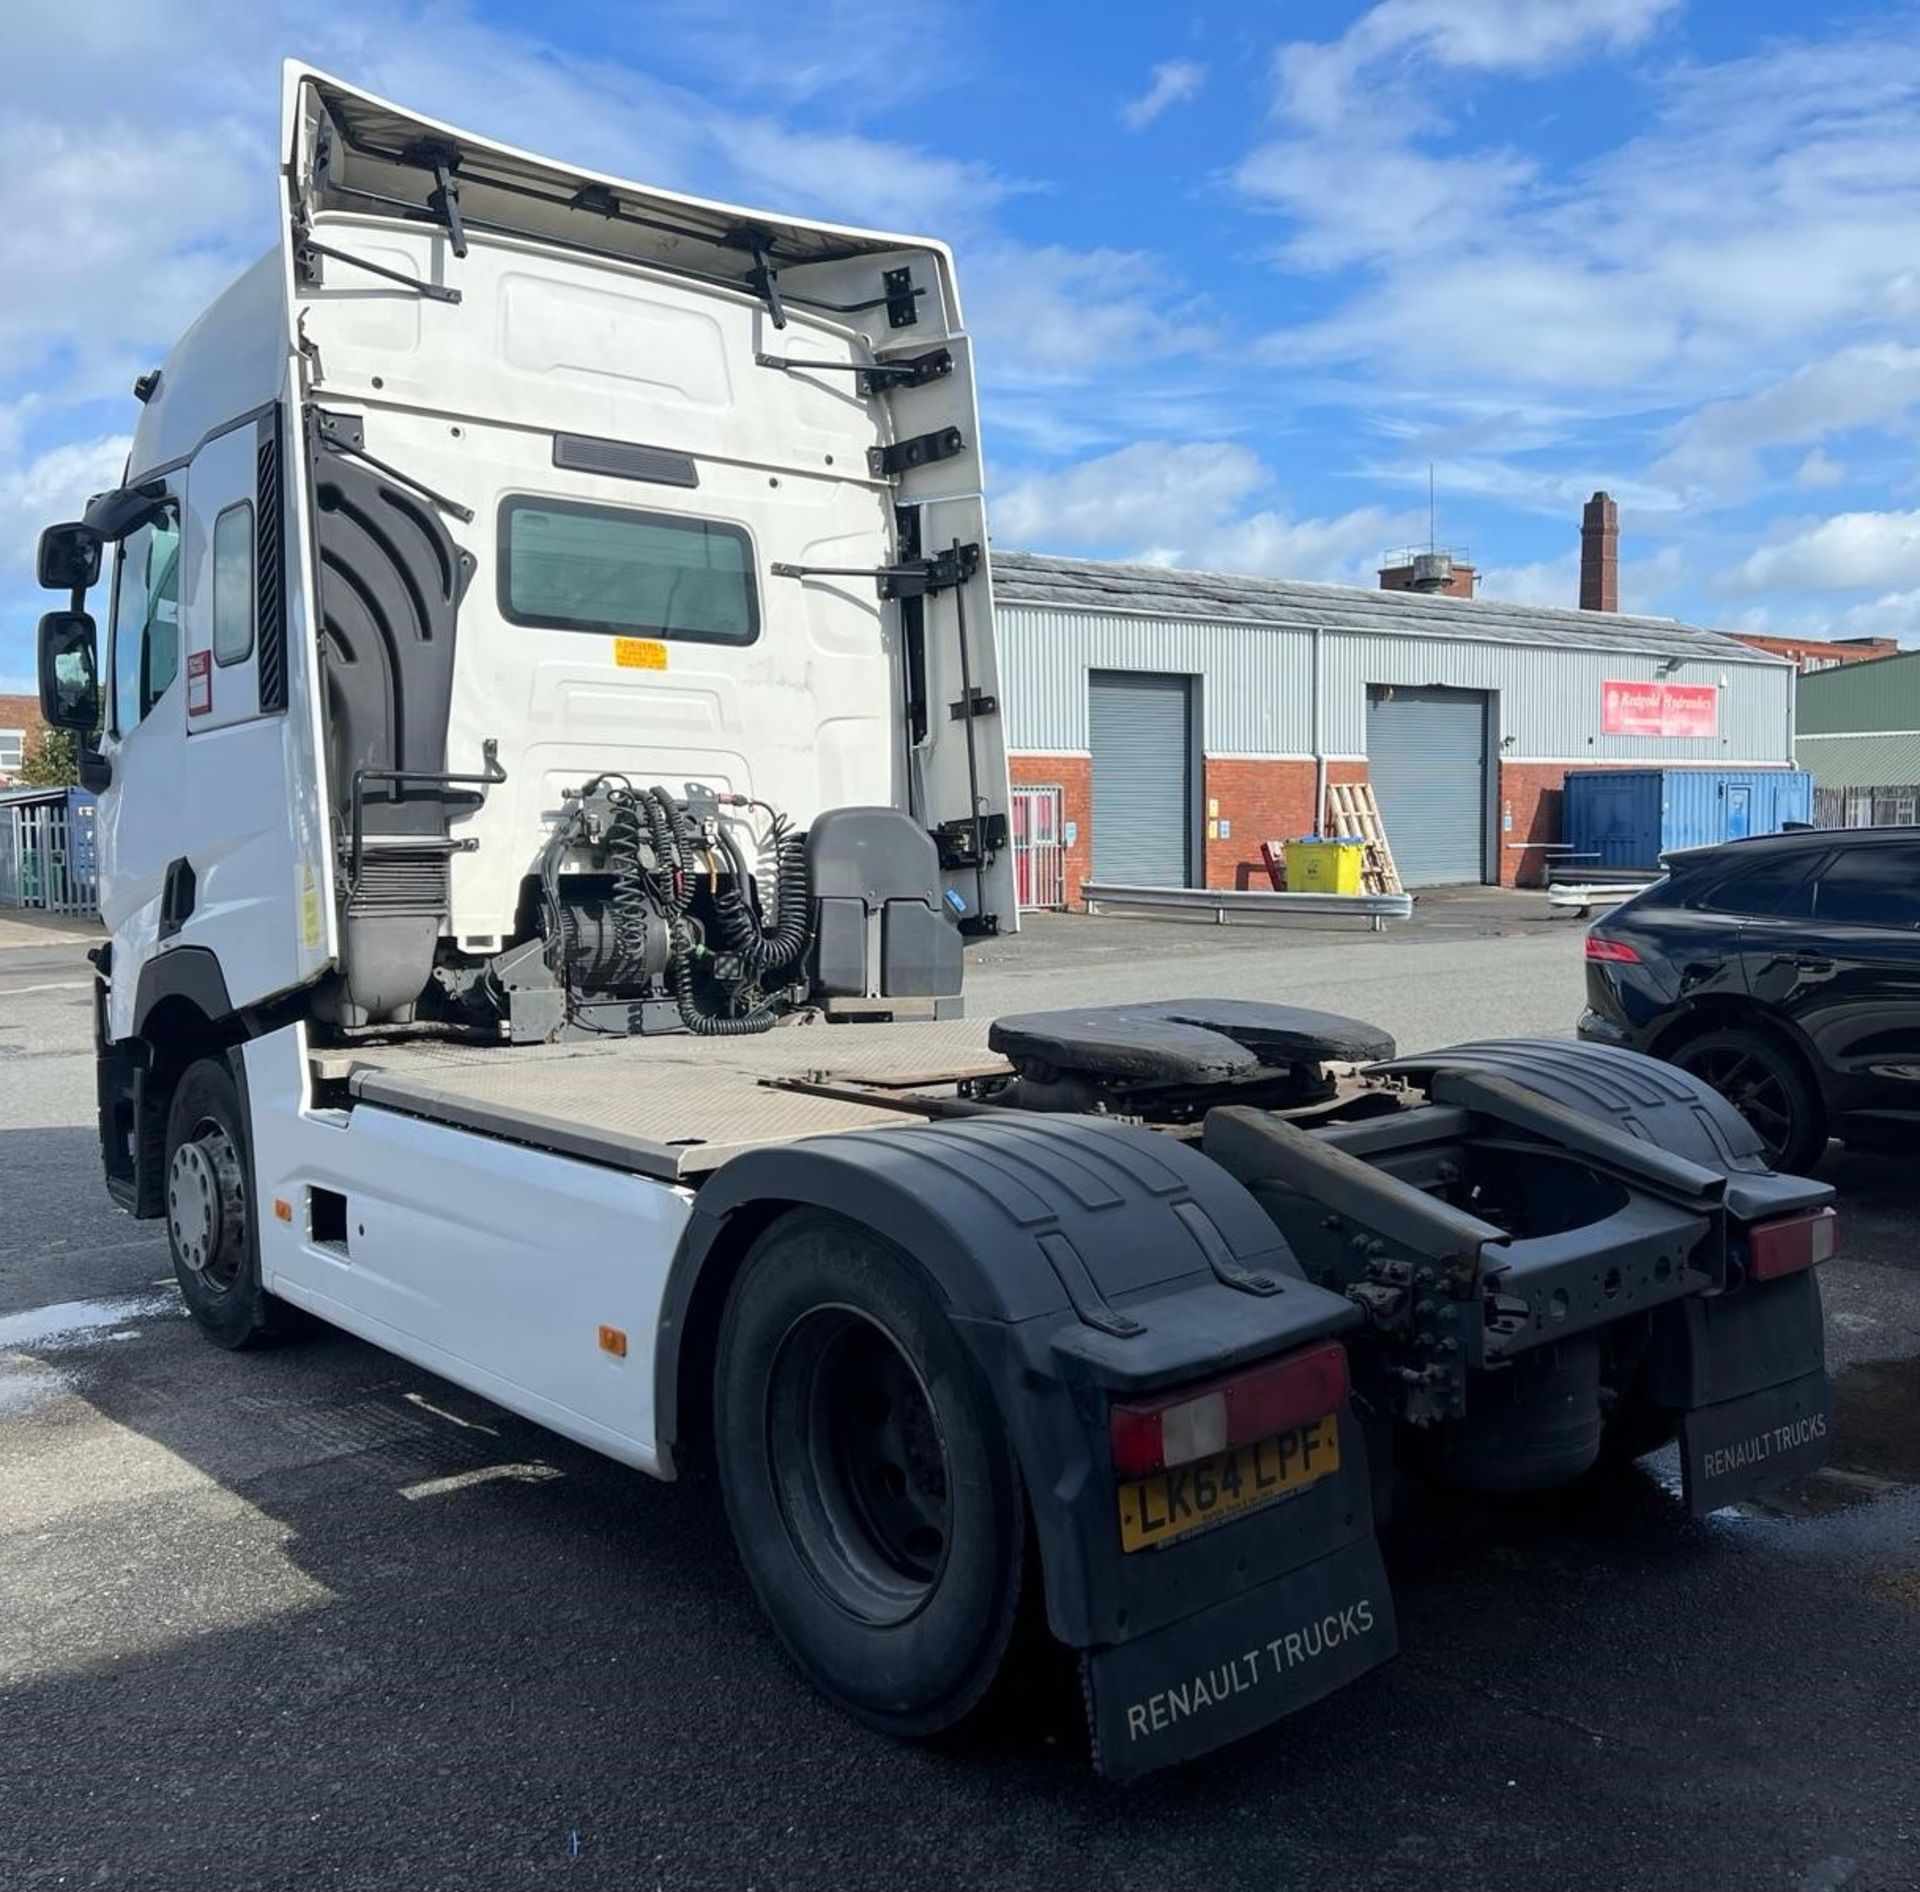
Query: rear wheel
x: 869, y: 1482
x: 210, y: 1211
x: 1766, y: 1083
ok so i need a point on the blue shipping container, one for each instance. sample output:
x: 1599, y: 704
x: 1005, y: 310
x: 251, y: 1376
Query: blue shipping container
x: 1630, y: 817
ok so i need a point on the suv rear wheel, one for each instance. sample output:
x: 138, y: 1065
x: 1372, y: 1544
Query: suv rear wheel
x: 1767, y: 1084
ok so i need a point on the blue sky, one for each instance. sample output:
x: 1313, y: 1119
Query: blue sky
x: 1238, y: 274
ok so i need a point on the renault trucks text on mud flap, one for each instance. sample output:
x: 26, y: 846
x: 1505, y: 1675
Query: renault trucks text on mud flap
x: 546, y: 725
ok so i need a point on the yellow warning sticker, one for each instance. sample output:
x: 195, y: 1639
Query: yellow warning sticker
x: 309, y: 907
x: 639, y: 653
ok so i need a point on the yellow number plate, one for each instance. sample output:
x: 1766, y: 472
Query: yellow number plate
x: 1156, y: 1510
x: 639, y: 653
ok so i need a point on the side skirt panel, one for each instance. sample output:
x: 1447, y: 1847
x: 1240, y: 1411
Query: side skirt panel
x: 529, y: 1278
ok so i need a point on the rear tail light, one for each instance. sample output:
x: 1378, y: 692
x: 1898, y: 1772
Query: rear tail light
x: 1238, y: 1409
x: 1791, y: 1244
x: 1611, y: 951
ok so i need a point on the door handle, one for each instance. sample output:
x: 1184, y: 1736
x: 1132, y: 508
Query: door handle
x: 176, y: 897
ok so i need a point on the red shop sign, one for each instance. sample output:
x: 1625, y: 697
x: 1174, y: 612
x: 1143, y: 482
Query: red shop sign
x: 1659, y: 709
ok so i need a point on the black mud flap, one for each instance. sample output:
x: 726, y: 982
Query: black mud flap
x: 1239, y: 1665
x: 1747, y: 1374
x: 1741, y: 1447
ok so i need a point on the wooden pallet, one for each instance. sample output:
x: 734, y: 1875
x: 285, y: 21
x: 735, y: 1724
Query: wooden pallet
x: 1351, y: 809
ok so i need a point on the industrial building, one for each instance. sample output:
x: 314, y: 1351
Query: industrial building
x: 1859, y: 736
x: 1163, y: 723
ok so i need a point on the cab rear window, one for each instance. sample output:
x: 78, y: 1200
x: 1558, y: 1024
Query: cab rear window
x: 575, y: 567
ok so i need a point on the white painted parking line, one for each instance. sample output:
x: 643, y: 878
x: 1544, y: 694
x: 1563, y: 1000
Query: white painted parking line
x: 481, y: 1475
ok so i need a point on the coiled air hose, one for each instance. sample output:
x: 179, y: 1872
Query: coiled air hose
x: 763, y: 948
x: 676, y: 842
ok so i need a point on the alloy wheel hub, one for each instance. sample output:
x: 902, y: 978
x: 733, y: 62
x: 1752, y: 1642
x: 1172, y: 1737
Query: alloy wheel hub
x: 204, y: 1201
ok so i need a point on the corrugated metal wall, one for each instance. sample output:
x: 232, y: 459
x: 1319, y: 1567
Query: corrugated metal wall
x: 1258, y: 699
x: 1881, y: 695
x: 1256, y: 696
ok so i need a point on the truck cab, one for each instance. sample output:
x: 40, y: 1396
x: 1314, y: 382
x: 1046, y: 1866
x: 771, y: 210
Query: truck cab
x: 490, y: 479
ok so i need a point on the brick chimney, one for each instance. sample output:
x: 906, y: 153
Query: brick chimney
x: 1600, y: 555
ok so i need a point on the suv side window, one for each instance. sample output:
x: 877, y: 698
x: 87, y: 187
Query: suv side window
x: 1777, y: 888
x: 1872, y: 886
x: 146, y: 620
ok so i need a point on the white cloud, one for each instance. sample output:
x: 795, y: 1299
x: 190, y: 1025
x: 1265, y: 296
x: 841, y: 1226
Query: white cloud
x: 797, y: 52
x: 1058, y: 315
x: 1870, y: 384
x: 1142, y: 494
x: 1818, y: 469
x: 1175, y: 82
x: 1402, y: 43
x: 1181, y: 504
x: 1894, y: 614
x: 1396, y: 202
x: 1770, y: 205
x: 1545, y: 581
x: 53, y: 485
x: 1849, y: 552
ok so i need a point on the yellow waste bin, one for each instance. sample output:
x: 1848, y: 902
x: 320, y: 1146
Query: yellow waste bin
x: 1325, y: 863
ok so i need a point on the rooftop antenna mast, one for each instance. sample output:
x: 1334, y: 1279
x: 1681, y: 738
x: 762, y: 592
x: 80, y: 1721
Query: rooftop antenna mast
x: 1431, y: 542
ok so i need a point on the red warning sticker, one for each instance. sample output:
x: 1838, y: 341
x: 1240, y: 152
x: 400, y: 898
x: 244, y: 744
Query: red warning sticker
x: 199, y: 682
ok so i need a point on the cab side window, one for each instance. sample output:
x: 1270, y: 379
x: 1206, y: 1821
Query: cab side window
x: 146, y: 621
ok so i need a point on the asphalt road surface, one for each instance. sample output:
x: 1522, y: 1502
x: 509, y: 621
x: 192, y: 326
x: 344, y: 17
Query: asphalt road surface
x: 315, y: 1619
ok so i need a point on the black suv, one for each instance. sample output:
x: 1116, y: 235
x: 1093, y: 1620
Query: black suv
x: 1785, y: 971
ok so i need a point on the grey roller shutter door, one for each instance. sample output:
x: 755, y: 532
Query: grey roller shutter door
x: 1427, y: 759
x: 1141, y: 732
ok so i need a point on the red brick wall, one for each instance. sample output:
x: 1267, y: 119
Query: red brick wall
x: 1529, y: 811
x: 1073, y: 774
x: 1261, y: 801
x: 1819, y: 651
x: 1273, y: 801
x: 23, y: 712
x: 1460, y: 585
x: 1258, y: 800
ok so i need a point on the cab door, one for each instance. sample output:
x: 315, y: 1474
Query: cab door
x: 145, y: 879
x: 245, y: 783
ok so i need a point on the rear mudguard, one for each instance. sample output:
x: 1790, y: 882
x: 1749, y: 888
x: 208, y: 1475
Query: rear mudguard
x: 1083, y: 1261
x: 1742, y: 1363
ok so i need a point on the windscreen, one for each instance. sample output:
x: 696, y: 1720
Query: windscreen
x: 610, y: 568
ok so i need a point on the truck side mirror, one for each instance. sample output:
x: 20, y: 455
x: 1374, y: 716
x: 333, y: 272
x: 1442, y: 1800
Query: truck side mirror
x: 69, y: 672
x: 69, y: 557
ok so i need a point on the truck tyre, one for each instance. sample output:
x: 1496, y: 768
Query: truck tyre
x: 1636, y: 1426
x: 867, y: 1476
x: 1767, y: 1084
x: 210, y: 1211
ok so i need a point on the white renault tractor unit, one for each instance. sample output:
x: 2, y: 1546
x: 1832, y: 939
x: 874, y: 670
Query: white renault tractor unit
x: 549, y: 759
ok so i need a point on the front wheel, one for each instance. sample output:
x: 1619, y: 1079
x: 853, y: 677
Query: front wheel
x: 868, y: 1479
x: 210, y: 1211
x: 1767, y: 1085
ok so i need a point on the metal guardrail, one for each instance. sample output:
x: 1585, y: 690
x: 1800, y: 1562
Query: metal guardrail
x: 1584, y: 896
x: 1375, y: 908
